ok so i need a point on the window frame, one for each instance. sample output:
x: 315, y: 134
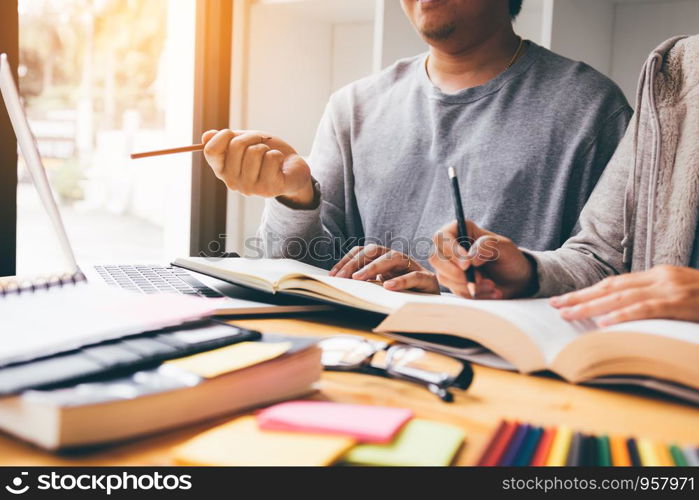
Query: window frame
x: 212, y: 94
x: 9, y: 43
x: 212, y: 86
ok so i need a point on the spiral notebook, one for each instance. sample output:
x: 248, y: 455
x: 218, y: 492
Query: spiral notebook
x: 46, y: 317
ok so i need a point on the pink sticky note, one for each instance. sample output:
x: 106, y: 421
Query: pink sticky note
x: 368, y: 424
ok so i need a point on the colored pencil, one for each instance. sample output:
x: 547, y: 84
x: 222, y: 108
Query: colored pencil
x: 575, y: 450
x: 488, y: 450
x: 691, y: 456
x: 171, y: 151
x: 603, y: 453
x: 620, y: 452
x: 649, y: 457
x: 677, y: 456
x: 560, y: 447
x: 524, y: 457
x: 664, y: 456
x: 501, y: 439
x: 515, y: 445
x: 634, y: 455
x: 543, y: 449
x: 589, y: 455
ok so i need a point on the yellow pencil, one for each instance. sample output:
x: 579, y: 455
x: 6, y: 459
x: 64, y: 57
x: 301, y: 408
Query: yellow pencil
x: 560, y: 447
x: 664, y: 455
x: 646, y: 449
x: 620, y: 452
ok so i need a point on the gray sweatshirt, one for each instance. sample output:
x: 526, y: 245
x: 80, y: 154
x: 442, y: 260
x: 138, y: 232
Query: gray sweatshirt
x: 645, y: 209
x: 528, y: 148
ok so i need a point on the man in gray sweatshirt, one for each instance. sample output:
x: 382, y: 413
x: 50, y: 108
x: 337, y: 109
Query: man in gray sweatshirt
x: 529, y: 133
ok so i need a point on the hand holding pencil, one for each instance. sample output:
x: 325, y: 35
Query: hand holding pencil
x: 504, y: 271
x: 254, y: 163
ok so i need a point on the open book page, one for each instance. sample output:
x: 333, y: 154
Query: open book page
x: 538, y: 320
x: 385, y: 300
x: 270, y: 270
x: 678, y: 330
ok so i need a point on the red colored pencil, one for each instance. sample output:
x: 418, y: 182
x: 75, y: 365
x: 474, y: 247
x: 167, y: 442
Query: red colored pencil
x: 501, y: 439
x: 542, y: 450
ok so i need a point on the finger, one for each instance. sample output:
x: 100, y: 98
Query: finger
x: 208, y: 135
x: 484, y: 285
x: 344, y: 260
x: 272, y: 141
x: 449, y: 270
x: 216, y: 149
x: 484, y: 250
x: 607, y: 303
x: 390, y: 263
x: 236, y: 152
x: 601, y: 289
x: 445, y: 242
x: 422, y: 281
x: 456, y: 287
x: 475, y: 231
x: 360, y: 259
x: 270, y: 180
x: 250, y: 167
x: 649, y: 309
x: 494, y: 295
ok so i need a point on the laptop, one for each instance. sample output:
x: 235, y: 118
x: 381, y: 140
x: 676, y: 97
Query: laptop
x: 228, y: 299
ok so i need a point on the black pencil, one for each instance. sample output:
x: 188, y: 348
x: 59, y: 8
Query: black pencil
x: 464, y: 240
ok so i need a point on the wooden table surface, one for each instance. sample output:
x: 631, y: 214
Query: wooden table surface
x: 493, y: 395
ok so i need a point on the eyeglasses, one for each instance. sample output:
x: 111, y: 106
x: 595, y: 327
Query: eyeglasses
x: 437, y: 372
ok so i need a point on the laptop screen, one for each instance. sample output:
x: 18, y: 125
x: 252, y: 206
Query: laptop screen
x: 32, y: 159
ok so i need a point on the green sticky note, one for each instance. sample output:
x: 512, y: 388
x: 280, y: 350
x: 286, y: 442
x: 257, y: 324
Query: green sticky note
x: 420, y: 443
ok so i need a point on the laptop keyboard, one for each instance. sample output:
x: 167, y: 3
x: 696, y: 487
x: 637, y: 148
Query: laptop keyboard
x: 155, y: 279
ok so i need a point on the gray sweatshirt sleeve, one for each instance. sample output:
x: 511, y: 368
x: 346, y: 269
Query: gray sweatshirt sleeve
x: 596, y: 251
x: 314, y: 236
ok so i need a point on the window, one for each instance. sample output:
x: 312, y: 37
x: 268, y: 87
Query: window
x: 101, y: 79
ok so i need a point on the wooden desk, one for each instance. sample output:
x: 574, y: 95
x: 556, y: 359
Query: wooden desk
x: 494, y: 395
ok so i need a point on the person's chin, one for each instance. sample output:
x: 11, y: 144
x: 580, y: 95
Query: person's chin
x: 438, y: 33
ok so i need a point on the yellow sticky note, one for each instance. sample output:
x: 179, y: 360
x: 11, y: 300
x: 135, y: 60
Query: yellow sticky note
x: 230, y: 358
x: 242, y: 443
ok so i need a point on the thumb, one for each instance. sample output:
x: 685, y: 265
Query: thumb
x: 296, y: 173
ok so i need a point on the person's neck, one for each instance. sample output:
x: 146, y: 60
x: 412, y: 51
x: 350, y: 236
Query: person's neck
x: 453, y: 66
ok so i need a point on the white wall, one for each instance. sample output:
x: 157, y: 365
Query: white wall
x: 640, y: 27
x: 530, y: 22
x: 583, y: 31
x: 352, y: 48
x: 394, y: 36
x: 293, y: 56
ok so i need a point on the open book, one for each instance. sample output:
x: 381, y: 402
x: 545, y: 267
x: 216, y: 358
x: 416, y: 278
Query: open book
x: 296, y: 278
x: 529, y: 334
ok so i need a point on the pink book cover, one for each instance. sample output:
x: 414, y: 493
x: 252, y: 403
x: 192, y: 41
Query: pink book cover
x: 367, y: 424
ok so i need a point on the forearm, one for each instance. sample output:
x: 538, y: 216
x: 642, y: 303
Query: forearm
x: 298, y: 234
x: 567, y: 269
